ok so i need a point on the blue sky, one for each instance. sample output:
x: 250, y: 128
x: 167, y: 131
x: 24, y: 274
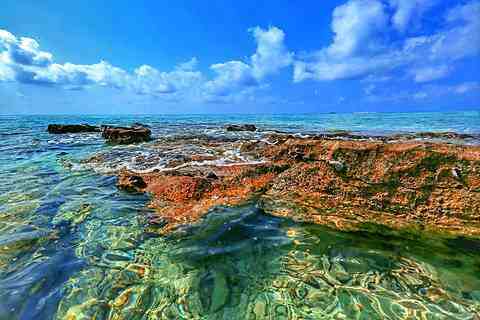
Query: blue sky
x: 239, y: 56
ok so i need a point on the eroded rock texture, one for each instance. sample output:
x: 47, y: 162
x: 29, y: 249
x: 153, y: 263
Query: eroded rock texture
x: 349, y: 185
x: 126, y: 135
x: 353, y: 185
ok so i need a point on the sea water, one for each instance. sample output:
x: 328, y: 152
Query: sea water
x: 72, y: 246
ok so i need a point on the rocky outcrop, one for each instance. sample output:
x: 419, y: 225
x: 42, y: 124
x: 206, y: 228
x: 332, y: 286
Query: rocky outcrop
x: 183, y: 196
x: 71, y: 128
x: 351, y: 185
x: 126, y: 135
x: 404, y: 187
x: 241, y: 127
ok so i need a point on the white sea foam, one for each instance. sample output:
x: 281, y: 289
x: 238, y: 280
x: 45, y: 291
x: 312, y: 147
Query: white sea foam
x: 161, y: 158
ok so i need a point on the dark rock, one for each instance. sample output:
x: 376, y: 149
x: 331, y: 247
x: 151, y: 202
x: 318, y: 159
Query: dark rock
x: 126, y: 135
x: 137, y: 182
x: 444, y: 135
x: 212, y: 175
x: 133, y: 183
x: 138, y: 124
x: 241, y: 127
x: 435, y: 135
x: 71, y: 128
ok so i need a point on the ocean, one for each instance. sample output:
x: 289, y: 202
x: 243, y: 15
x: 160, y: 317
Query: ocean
x: 73, y: 246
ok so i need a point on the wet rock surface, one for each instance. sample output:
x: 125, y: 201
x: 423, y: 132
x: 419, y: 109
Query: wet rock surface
x: 353, y: 185
x: 126, y: 135
x: 240, y: 127
x: 408, y: 187
x: 71, y: 128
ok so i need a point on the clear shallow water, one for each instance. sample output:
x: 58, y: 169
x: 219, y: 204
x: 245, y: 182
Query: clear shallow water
x: 74, y: 247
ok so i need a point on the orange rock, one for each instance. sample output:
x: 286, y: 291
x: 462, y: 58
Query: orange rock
x: 349, y: 185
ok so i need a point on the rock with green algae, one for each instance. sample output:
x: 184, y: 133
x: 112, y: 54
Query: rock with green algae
x: 404, y: 187
x: 413, y: 188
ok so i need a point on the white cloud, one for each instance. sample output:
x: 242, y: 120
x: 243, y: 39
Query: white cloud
x: 272, y: 54
x: 368, y: 43
x: 466, y: 87
x: 326, y: 68
x: 6, y: 73
x: 68, y: 74
x: 438, y: 91
x: 356, y: 24
x: 24, y: 62
x: 420, y: 95
x: 238, y: 77
x: 427, y: 74
x: 230, y: 77
x: 148, y: 80
x: 361, y: 54
x: 424, y: 93
x: 407, y: 11
x: 24, y: 51
x: 461, y: 38
x: 190, y: 65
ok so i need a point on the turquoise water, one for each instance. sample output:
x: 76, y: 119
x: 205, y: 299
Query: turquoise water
x: 72, y: 246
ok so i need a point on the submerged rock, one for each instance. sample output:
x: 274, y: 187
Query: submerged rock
x: 241, y: 127
x: 71, y: 128
x: 185, y: 195
x: 126, y: 135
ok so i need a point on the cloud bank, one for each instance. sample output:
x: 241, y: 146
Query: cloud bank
x: 24, y: 62
x: 372, y: 39
x: 361, y: 45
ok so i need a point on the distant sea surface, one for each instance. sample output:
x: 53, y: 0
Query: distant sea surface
x: 73, y: 246
x: 367, y: 122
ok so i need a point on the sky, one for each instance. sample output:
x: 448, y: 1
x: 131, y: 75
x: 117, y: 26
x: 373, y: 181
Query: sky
x: 219, y: 56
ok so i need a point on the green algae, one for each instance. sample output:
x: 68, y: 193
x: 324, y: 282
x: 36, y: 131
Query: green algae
x: 74, y: 217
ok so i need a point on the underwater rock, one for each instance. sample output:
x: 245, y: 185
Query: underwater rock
x: 184, y: 195
x: 71, y: 128
x: 126, y: 135
x: 241, y: 127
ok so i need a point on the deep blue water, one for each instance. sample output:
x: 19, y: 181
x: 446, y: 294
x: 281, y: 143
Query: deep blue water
x: 367, y: 122
x: 72, y: 246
